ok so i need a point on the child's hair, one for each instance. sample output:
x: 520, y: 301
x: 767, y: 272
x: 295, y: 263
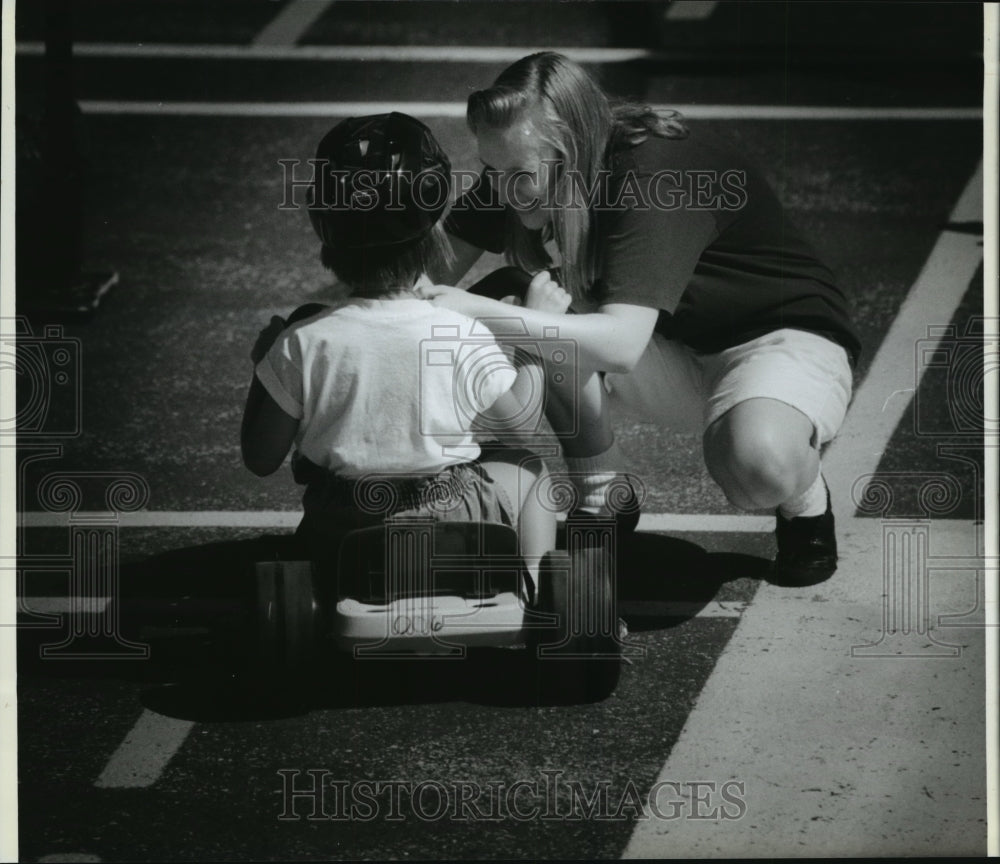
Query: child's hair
x: 381, y: 185
x: 578, y: 121
x: 375, y: 271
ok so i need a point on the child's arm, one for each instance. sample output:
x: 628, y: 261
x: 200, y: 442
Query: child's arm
x: 516, y: 413
x: 267, y: 433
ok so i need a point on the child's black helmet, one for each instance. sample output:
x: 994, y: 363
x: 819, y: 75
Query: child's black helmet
x: 380, y: 180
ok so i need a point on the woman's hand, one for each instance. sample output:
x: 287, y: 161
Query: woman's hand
x: 547, y: 295
x: 456, y: 299
x: 265, y: 339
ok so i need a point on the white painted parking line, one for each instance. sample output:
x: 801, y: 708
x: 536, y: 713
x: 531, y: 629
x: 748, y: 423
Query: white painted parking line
x: 291, y: 23
x: 897, y: 368
x: 969, y: 207
x: 60, y: 857
x: 141, y: 757
x: 149, y: 746
x: 708, y: 523
x: 271, y: 109
x: 822, y: 732
x: 457, y: 109
x: 661, y: 609
x: 64, y: 605
x: 405, y: 53
x: 172, y: 519
x: 335, y: 53
x: 637, y: 608
x: 694, y: 522
x: 690, y: 10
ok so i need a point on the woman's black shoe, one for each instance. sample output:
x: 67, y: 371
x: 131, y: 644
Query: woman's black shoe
x: 807, y: 549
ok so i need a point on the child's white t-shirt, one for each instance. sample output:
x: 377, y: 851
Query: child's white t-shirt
x: 385, y: 385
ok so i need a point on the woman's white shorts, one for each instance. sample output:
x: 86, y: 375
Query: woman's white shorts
x: 679, y: 389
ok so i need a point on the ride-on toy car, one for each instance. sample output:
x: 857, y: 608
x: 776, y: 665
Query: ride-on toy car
x: 421, y: 587
x: 425, y: 587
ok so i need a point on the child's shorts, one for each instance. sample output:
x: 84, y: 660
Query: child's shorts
x: 459, y: 493
x: 684, y: 391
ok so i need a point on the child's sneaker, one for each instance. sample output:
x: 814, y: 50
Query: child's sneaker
x: 807, y: 549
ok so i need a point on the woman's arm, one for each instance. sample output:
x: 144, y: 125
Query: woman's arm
x: 609, y: 340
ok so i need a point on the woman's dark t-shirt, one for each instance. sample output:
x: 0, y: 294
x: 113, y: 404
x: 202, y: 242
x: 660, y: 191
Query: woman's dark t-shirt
x: 692, y: 229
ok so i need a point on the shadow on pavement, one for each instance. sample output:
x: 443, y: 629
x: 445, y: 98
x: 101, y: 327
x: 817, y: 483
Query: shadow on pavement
x: 194, y: 609
x: 675, y: 579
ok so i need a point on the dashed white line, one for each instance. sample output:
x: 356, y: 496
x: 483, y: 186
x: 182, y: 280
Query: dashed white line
x: 457, y: 109
x: 690, y: 10
x: 60, y: 857
x: 291, y: 23
x: 172, y: 519
x: 141, y: 757
x: 64, y: 605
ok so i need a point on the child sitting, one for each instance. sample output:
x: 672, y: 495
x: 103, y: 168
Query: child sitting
x: 380, y: 393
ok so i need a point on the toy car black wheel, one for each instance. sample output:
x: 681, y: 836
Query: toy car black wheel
x: 288, y: 616
x: 577, y: 656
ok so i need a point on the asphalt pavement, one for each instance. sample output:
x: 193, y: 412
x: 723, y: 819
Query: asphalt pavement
x: 750, y: 719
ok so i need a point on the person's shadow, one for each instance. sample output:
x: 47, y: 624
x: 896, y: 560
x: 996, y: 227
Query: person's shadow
x: 664, y: 581
x: 195, y: 608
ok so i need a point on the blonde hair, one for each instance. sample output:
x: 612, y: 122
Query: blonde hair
x: 576, y: 119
